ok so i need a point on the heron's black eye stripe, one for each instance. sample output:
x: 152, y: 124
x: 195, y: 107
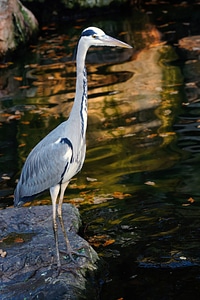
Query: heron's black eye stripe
x: 88, y: 32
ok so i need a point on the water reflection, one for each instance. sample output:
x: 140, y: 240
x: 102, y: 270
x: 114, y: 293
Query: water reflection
x: 138, y: 175
x: 137, y: 121
x: 122, y: 99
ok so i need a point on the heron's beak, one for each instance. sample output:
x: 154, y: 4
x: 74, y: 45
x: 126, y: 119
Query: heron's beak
x: 110, y: 41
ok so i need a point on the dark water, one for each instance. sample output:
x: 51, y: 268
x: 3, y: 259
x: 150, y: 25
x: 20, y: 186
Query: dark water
x: 138, y: 192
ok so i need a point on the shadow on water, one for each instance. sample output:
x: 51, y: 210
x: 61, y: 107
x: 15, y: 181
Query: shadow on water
x: 138, y: 191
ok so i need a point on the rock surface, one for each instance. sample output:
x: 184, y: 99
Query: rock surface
x: 82, y: 3
x: 28, y: 267
x: 17, y: 25
x: 91, y: 3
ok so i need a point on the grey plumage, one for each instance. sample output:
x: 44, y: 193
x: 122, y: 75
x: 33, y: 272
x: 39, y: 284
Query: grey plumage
x: 47, y: 163
x: 60, y: 155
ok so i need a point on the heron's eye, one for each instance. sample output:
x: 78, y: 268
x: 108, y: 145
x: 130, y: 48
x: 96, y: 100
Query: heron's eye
x: 94, y: 36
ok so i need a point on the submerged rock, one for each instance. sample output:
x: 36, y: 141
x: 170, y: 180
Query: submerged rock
x: 28, y: 268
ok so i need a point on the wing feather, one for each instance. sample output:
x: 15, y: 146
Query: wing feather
x: 44, y: 168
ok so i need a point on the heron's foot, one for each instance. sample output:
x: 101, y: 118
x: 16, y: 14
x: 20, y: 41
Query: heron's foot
x: 71, y: 254
x: 65, y: 268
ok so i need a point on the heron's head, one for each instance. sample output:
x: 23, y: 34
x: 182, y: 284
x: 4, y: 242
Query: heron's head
x: 94, y: 36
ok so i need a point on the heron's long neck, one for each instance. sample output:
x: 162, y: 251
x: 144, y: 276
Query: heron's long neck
x: 79, y: 109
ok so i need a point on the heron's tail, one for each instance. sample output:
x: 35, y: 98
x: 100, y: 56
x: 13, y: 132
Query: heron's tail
x: 19, y: 200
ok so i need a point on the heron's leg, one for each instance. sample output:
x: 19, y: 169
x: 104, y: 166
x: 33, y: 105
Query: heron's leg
x: 70, y: 251
x: 54, y: 194
x: 62, y: 191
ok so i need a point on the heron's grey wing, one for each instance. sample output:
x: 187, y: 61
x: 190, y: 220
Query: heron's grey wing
x: 44, y: 168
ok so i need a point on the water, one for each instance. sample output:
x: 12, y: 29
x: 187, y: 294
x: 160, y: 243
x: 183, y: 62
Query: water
x: 138, y: 192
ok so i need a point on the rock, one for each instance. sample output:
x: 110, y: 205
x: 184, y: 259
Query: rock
x: 28, y: 268
x: 17, y: 25
x: 91, y: 3
x: 81, y: 3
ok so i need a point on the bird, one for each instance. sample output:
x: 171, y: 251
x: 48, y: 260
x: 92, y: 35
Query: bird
x: 60, y: 155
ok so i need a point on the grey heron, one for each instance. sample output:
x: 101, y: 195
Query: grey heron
x: 60, y: 155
